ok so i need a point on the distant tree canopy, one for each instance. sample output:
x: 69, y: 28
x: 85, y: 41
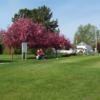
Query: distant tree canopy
x: 86, y: 33
x: 41, y: 14
x: 1, y: 36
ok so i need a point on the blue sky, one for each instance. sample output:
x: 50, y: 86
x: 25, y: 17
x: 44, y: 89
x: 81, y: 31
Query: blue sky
x: 70, y: 13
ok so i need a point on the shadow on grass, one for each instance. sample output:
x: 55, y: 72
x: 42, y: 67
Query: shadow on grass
x: 5, y: 61
x: 53, y: 56
x: 31, y: 57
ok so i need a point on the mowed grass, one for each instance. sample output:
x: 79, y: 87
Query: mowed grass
x: 68, y: 78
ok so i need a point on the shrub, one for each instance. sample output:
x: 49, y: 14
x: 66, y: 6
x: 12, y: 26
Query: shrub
x: 1, y: 48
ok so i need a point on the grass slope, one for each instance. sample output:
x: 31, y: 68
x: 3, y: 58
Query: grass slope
x: 69, y: 78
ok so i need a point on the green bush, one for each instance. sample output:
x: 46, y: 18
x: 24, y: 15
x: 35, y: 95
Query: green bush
x: 1, y: 48
x: 49, y: 52
x: 6, y: 51
x: 17, y: 51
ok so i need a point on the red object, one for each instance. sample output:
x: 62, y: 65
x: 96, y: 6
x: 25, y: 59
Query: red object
x: 40, y: 52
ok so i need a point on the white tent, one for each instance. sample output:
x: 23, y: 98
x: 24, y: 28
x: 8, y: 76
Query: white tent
x: 84, y: 48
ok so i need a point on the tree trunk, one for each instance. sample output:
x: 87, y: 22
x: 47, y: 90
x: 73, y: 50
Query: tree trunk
x: 12, y: 52
x: 56, y: 53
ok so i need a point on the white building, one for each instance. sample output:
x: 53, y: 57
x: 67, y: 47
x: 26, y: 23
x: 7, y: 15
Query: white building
x: 70, y: 51
x: 84, y: 48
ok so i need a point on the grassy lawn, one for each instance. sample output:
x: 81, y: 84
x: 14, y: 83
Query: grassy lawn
x: 68, y: 78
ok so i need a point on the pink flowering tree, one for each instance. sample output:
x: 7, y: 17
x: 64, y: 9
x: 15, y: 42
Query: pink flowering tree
x: 25, y: 30
x: 58, y: 41
x: 35, y: 34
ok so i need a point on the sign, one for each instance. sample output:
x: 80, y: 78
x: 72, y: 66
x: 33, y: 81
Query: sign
x: 24, y: 47
x: 24, y: 50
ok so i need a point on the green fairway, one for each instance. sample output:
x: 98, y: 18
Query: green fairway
x: 68, y: 78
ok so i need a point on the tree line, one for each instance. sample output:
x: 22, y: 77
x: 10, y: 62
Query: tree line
x: 89, y: 34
